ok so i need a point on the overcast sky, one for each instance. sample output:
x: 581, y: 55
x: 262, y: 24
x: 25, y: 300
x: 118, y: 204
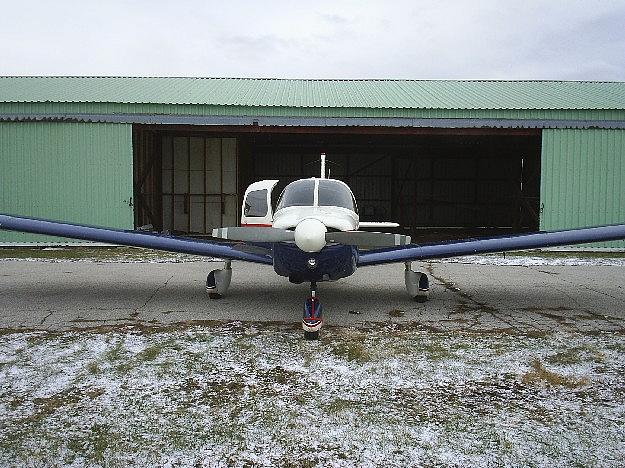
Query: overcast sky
x: 490, y: 39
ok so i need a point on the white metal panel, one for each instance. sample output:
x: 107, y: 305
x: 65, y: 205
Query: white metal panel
x: 196, y: 165
x: 229, y: 217
x: 213, y: 212
x: 181, y: 219
x: 213, y: 165
x: 229, y: 165
x: 196, y: 213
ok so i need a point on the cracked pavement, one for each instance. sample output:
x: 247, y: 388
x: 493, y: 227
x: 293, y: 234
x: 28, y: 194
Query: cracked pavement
x: 484, y: 298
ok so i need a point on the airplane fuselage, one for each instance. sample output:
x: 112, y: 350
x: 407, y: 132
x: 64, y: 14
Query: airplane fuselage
x: 331, y: 263
x: 310, y: 257
x: 313, y: 232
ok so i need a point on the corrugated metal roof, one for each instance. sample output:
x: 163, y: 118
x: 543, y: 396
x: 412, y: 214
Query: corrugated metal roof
x: 379, y: 94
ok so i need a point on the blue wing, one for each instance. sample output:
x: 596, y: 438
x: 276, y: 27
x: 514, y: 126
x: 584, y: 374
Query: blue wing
x: 131, y: 238
x: 536, y: 240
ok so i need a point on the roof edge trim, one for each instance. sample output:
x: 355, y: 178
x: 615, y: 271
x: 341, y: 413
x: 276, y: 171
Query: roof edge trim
x: 160, y: 119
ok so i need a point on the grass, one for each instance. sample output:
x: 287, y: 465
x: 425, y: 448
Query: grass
x: 93, y: 367
x: 351, y: 350
x: 90, y: 253
x: 113, y: 353
x: 46, y: 406
x: 340, y: 404
x: 576, y: 355
x: 376, y: 397
x: 150, y: 353
x: 93, y: 445
x: 437, y: 351
x: 564, y: 254
x: 538, y: 374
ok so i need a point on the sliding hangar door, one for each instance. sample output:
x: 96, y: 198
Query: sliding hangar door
x: 437, y: 183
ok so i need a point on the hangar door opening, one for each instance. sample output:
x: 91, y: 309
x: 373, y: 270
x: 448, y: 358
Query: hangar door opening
x: 436, y: 183
x: 185, y: 184
x: 448, y: 185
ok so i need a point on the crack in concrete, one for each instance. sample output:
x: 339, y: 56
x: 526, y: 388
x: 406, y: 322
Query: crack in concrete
x: 477, y: 307
x: 547, y: 272
x: 46, y: 317
x: 469, y: 304
x: 135, y: 312
x: 603, y: 293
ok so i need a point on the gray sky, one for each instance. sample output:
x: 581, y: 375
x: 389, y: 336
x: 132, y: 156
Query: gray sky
x: 316, y: 39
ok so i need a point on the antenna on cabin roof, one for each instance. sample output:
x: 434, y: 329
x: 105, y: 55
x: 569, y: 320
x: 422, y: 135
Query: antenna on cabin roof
x: 323, y: 165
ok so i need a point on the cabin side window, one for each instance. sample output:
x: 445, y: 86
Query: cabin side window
x: 333, y: 193
x: 256, y: 204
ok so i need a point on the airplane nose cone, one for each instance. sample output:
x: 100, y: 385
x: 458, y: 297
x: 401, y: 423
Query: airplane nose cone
x: 310, y: 235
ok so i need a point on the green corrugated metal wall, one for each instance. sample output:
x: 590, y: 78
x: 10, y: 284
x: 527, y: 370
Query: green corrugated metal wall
x: 78, y: 172
x: 82, y: 172
x: 583, y: 179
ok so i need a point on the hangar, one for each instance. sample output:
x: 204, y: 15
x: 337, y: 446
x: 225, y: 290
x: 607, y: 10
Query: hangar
x: 445, y: 159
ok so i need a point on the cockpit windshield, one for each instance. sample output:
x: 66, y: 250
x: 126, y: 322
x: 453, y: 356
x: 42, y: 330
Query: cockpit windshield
x: 298, y: 193
x: 331, y: 193
x: 335, y: 193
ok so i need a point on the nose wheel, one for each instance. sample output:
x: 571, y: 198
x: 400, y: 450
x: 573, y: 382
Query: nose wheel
x: 312, y: 320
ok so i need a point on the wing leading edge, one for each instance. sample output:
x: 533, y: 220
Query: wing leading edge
x: 536, y: 240
x: 130, y: 238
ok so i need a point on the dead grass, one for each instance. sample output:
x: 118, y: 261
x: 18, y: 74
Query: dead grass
x: 46, y: 406
x: 396, y: 313
x: 538, y: 374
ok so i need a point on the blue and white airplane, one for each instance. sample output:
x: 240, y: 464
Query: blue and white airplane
x: 312, y: 236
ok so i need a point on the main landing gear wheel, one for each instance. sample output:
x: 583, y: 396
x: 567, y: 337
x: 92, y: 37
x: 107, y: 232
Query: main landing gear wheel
x: 417, y: 284
x: 218, y: 281
x: 312, y: 320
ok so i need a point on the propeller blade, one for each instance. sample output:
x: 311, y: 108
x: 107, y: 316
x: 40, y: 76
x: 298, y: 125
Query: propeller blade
x: 367, y: 239
x: 252, y: 249
x: 254, y: 234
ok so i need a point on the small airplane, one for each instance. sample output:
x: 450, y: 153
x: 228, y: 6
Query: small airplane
x: 312, y: 236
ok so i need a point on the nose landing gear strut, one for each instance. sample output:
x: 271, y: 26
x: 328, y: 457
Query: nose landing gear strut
x: 312, y: 320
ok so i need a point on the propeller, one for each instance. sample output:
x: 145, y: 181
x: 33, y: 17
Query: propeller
x: 311, y: 235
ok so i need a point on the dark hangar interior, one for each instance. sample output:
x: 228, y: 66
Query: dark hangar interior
x: 436, y: 183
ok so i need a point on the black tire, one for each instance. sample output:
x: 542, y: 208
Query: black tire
x: 309, y: 336
x: 214, y: 295
x: 421, y: 298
